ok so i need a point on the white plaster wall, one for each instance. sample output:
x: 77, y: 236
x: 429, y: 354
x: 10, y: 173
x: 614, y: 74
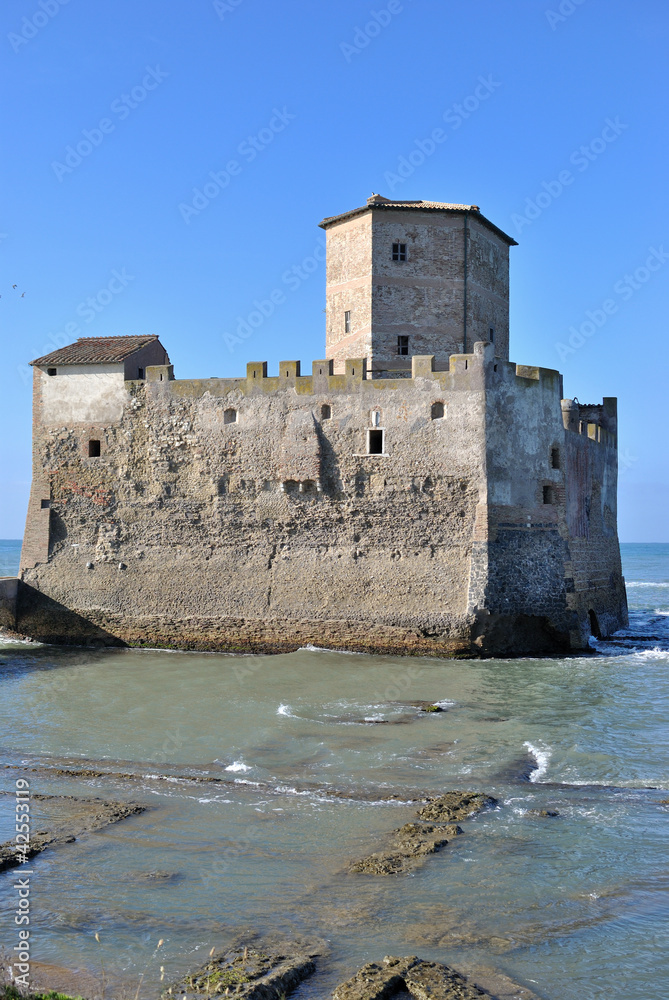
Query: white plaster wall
x: 92, y: 394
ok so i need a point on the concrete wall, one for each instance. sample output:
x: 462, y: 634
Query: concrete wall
x: 241, y: 514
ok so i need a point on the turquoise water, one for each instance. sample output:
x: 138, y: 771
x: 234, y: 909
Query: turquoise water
x: 574, y: 906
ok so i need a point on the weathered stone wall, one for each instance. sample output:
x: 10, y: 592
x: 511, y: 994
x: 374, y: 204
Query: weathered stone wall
x: 423, y: 297
x: 8, y: 592
x: 249, y: 514
x: 348, y: 287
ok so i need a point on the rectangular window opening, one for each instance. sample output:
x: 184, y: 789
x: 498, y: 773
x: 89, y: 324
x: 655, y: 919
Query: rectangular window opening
x: 93, y: 449
x: 347, y: 321
x: 46, y: 504
x: 491, y: 334
x: 52, y: 371
x: 402, y: 345
x: 549, y: 495
x: 140, y: 373
x: 375, y: 442
x: 399, y: 251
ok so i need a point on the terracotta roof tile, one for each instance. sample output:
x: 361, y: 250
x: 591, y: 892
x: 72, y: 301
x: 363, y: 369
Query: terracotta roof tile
x: 377, y: 201
x: 95, y: 350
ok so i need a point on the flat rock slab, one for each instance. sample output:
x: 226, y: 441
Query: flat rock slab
x: 403, y: 978
x: 65, y: 817
x: 250, y: 973
x: 413, y: 842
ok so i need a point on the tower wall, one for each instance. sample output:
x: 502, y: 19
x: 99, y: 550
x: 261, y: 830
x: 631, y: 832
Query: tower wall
x: 423, y: 297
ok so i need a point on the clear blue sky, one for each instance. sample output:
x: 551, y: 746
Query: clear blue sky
x: 315, y: 104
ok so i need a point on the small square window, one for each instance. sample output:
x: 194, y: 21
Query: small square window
x: 347, y: 321
x: 52, y: 371
x: 402, y: 345
x: 375, y: 442
x: 399, y: 251
x: 230, y: 415
x: 46, y: 504
x: 93, y: 449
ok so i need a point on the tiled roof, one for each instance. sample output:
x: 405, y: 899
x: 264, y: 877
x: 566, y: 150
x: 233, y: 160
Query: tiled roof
x: 95, y: 350
x: 377, y: 201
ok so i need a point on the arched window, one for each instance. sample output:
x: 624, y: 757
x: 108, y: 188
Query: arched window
x: 230, y: 416
x: 437, y: 411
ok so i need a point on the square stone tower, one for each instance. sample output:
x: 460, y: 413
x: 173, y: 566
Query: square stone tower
x: 414, y: 277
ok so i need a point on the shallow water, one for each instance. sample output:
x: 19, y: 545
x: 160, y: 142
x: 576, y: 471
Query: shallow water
x: 575, y: 906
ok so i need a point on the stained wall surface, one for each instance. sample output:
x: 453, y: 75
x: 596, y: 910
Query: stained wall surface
x: 249, y: 513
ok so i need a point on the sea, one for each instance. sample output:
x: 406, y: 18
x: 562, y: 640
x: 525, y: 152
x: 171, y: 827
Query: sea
x: 318, y: 757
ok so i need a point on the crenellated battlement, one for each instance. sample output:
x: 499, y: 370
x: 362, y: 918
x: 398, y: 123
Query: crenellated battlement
x: 480, y: 369
x: 596, y: 421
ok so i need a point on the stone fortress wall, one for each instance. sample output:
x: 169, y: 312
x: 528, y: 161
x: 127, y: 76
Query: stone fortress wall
x: 249, y: 514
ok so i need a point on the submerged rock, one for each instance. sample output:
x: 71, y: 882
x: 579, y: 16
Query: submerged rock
x: 415, y: 841
x: 404, y: 978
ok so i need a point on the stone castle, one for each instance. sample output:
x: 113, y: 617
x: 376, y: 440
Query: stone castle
x: 417, y: 492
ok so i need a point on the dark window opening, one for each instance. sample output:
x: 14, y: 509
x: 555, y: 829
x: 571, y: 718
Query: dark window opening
x: 437, y: 410
x: 93, y: 449
x: 555, y: 458
x: 140, y: 373
x: 347, y: 321
x: 399, y: 251
x: 594, y: 625
x: 46, y: 504
x: 230, y: 416
x: 326, y: 411
x: 52, y: 371
x: 549, y: 494
x: 402, y: 345
x: 491, y: 334
x: 376, y: 442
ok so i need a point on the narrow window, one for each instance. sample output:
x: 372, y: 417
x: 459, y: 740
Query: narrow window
x: 326, y: 411
x: 376, y: 418
x: 399, y: 251
x: 347, y: 321
x: 375, y: 442
x: 230, y: 416
x: 437, y: 410
x: 46, y: 504
x: 140, y: 373
x: 93, y: 449
x: 52, y: 371
x: 555, y: 458
x: 491, y: 334
x: 549, y: 495
x: 402, y: 345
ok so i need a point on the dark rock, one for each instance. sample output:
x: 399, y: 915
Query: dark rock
x: 399, y: 978
x: 251, y: 972
x: 415, y: 841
